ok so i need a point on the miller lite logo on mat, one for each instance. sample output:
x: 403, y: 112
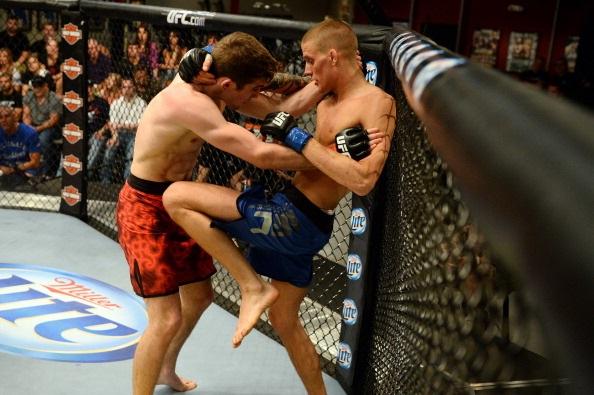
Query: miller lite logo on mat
x: 71, y: 195
x: 72, y: 68
x: 71, y: 33
x: 72, y: 133
x: 358, y: 221
x: 345, y: 356
x: 72, y: 101
x: 72, y: 164
x: 52, y: 314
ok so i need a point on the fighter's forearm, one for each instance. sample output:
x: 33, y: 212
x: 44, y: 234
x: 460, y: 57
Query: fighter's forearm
x: 286, y: 83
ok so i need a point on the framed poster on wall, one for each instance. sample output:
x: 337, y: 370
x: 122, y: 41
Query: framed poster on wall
x: 570, y: 52
x: 484, y: 46
x: 521, y: 51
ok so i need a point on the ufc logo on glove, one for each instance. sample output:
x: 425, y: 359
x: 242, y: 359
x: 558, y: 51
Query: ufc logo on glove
x: 280, y: 118
x: 341, y: 146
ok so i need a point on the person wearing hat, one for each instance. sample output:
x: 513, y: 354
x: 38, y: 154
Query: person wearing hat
x: 42, y: 110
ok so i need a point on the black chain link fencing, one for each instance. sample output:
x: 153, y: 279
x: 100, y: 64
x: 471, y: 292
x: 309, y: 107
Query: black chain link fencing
x: 442, y: 321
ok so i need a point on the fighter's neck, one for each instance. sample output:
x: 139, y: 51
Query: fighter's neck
x: 348, y: 84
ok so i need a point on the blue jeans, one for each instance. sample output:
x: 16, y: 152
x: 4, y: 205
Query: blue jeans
x: 117, y: 156
x: 50, y: 155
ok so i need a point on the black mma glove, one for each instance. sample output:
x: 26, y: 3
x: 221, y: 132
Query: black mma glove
x: 353, y: 142
x: 282, y: 126
x: 191, y: 64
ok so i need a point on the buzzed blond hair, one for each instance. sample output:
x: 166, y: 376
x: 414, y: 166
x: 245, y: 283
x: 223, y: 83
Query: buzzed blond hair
x: 332, y: 33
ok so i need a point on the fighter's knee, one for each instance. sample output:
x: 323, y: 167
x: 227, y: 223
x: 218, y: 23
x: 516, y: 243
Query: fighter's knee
x: 168, y: 323
x: 171, y: 199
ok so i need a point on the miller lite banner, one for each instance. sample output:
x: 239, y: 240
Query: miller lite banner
x: 354, y: 325
x: 74, y: 148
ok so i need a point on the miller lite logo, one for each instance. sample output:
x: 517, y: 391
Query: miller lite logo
x: 57, y: 315
x: 354, y: 267
x: 358, y: 221
x: 349, y: 312
x: 280, y: 118
x: 72, y: 101
x: 71, y: 195
x: 371, y: 72
x: 72, y: 164
x: 345, y: 356
x: 71, y: 33
x: 72, y: 68
x: 189, y: 18
x: 72, y: 133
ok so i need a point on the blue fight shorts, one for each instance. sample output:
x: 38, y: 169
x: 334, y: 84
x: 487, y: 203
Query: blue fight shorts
x: 284, y: 233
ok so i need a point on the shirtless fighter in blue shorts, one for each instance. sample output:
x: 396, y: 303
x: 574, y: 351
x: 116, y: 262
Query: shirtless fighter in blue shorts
x: 285, y: 232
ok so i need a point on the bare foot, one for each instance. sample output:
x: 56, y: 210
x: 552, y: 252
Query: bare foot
x: 177, y: 383
x: 253, y: 304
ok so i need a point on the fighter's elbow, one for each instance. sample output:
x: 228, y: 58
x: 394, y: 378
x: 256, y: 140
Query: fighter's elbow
x: 363, y: 186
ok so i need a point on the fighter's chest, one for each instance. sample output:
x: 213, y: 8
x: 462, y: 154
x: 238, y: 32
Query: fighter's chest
x: 333, y: 119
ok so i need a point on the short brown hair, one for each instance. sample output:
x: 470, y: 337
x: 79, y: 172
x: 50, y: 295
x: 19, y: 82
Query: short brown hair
x: 244, y: 59
x: 332, y: 33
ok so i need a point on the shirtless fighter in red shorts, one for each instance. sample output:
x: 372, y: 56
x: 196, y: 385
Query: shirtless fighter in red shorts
x: 167, y: 268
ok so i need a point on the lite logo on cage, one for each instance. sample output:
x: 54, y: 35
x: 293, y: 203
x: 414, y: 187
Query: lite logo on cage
x: 345, y: 356
x: 371, y: 72
x: 358, y: 221
x: 349, y: 312
x: 56, y: 315
x: 354, y: 267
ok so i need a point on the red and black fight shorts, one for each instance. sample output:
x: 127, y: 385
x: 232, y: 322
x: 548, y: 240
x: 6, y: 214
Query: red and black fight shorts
x: 160, y: 254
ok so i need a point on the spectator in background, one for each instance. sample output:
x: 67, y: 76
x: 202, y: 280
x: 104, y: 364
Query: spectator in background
x: 132, y: 61
x: 35, y: 69
x: 54, y: 64
x: 14, y: 39
x: 98, y: 63
x: 98, y: 115
x: 7, y: 66
x: 172, y: 54
x: 111, y: 88
x: 49, y: 32
x: 146, y: 87
x: 9, y: 97
x: 124, y: 115
x: 148, y: 49
x: 19, y: 149
x: 42, y: 110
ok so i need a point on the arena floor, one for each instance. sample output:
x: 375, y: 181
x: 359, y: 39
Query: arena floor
x: 37, y: 244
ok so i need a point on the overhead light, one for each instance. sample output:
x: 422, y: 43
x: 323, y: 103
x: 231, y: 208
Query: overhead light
x: 515, y: 8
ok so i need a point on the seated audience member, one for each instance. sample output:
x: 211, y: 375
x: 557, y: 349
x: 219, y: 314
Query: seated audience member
x: 54, y: 64
x: 35, y: 68
x: 124, y: 115
x: 146, y: 87
x: 13, y: 38
x: 172, y: 54
x: 19, y: 150
x: 98, y: 63
x: 111, y: 88
x: 148, y: 49
x: 49, y: 33
x: 42, y: 109
x: 98, y: 115
x: 9, y: 97
x: 132, y: 61
x: 7, y: 66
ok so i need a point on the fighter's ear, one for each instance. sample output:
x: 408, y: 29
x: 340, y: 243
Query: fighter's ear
x: 333, y: 55
x: 226, y: 82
